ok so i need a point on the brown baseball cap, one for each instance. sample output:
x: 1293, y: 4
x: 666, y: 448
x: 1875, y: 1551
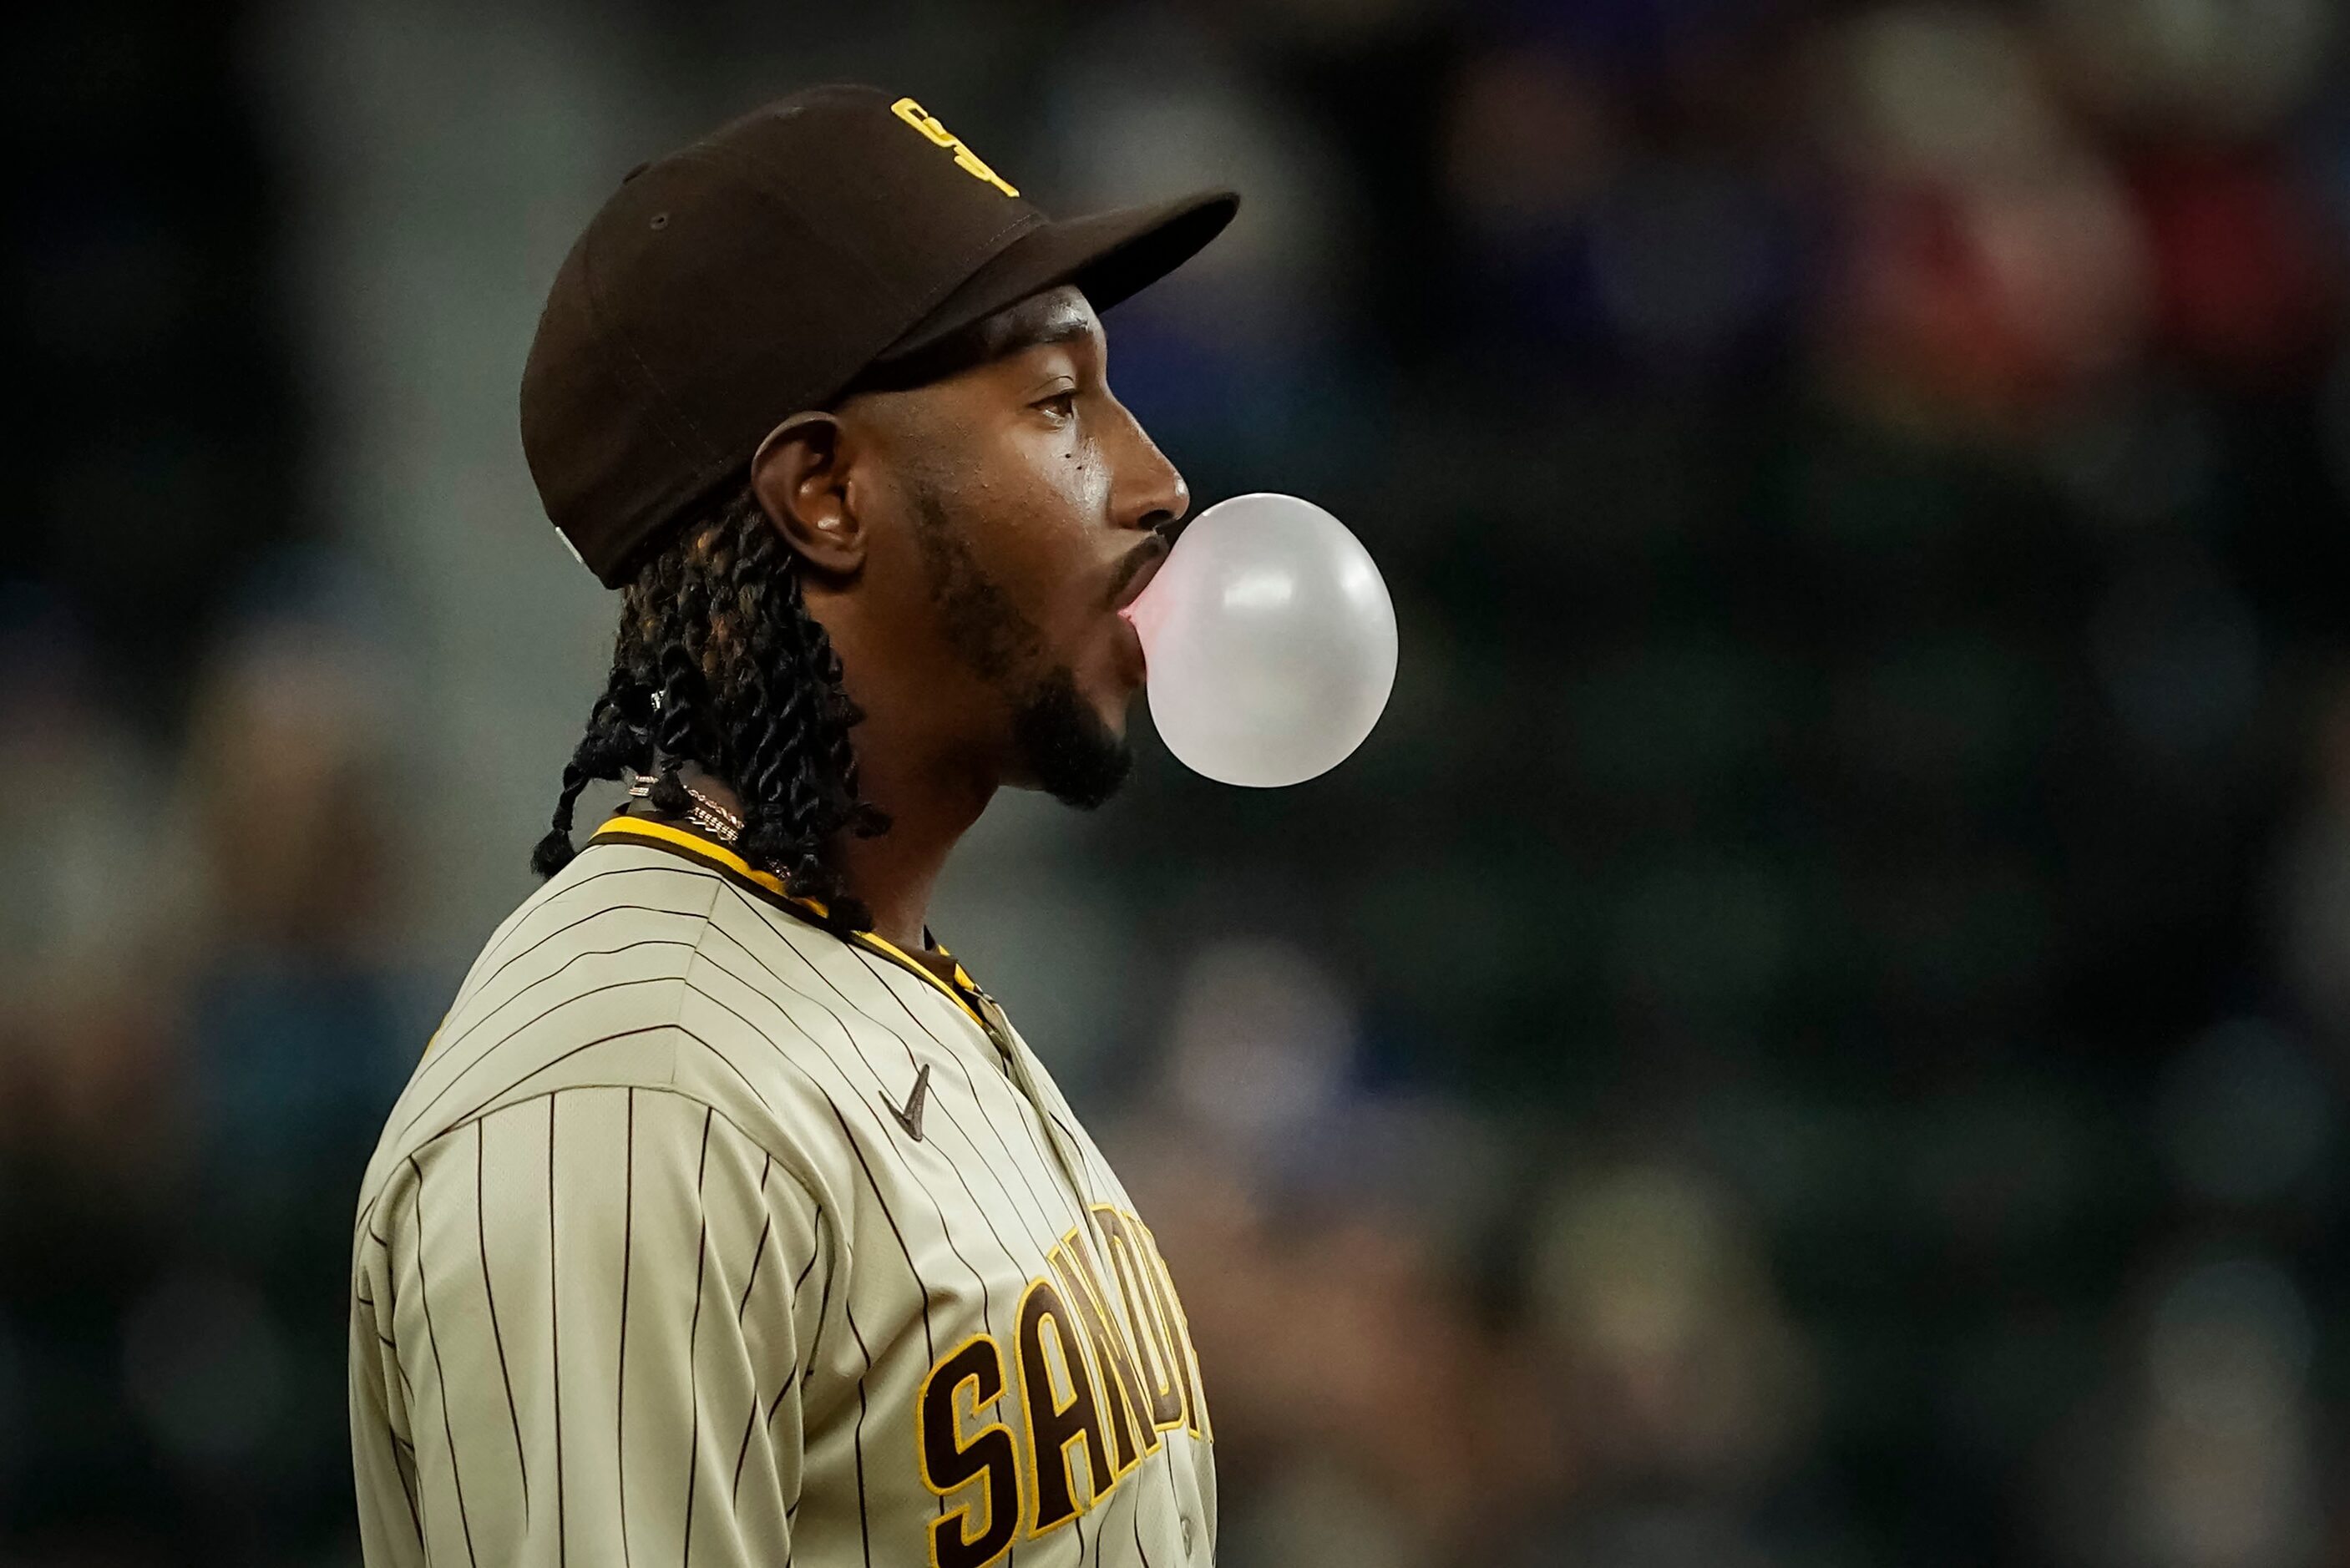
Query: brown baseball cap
x: 760, y: 271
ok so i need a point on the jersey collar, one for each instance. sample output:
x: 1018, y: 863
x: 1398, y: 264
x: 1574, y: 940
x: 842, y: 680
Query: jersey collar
x: 964, y: 992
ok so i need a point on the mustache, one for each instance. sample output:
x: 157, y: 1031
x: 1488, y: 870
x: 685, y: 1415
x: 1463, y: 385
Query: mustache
x: 1141, y: 555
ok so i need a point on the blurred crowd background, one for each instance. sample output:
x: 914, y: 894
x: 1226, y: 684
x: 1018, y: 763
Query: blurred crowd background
x: 1813, y: 1032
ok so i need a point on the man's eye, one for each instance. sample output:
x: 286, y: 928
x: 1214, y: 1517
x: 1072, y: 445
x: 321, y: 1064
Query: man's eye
x: 1060, y: 406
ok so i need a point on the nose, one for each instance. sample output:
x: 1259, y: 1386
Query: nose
x: 1150, y: 492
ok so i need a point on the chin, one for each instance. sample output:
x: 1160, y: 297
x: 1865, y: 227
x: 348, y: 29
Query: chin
x: 1067, y: 747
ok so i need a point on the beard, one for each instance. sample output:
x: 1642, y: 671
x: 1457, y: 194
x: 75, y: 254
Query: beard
x: 1064, y: 746
x: 1072, y: 756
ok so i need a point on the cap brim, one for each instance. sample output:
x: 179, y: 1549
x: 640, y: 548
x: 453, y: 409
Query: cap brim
x: 1110, y: 255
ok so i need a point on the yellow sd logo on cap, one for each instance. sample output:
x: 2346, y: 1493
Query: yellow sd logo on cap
x: 920, y: 119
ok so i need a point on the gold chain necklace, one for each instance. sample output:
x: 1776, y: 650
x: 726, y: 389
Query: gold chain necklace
x: 710, y: 816
x: 704, y: 813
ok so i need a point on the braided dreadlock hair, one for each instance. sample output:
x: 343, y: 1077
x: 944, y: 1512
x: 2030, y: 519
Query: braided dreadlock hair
x: 749, y: 688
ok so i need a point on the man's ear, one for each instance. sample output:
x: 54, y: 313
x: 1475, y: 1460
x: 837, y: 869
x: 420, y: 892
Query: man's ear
x: 800, y: 475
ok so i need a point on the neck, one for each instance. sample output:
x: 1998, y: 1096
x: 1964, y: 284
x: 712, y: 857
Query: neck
x: 918, y: 759
x: 930, y: 803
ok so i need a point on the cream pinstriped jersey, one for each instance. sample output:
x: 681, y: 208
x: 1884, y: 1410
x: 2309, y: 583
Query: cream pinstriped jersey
x: 704, y: 1235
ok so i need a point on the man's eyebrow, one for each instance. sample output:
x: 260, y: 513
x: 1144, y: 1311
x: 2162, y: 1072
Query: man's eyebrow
x: 1060, y: 326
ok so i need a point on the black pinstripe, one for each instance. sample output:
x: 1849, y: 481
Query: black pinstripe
x: 470, y: 987
x: 815, y: 1250
x: 693, y: 1337
x: 620, y: 1370
x: 393, y: 1345
x: 750, y: 1424
x: 759, y: 1252
x: 1027, y: 1124
x: 921, y: 1287
x: 1014, y: 1260
x: 403, y: 1451
x: 945, y: 1109
x: 432, y: 1338
x: 758, y: 1255
x: 555, y: 1340
x: 1141, y: 1331
x: 1083, y: 1177
x: 448, y: 1047
x: 481, y: 1230
x: 944, y: 1230
x: 617, y: 985
x: 596, y: 914
x: 491, y: 1104
x: 857, y: 1438
x: 1044, y: 1233
x: 405, y: 1463
x: 849, y: 1035
x: 823, y: 1311
x: 882, y: 978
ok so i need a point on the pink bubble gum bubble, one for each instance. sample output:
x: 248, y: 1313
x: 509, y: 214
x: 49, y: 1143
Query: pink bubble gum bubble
x: 1270, y: 639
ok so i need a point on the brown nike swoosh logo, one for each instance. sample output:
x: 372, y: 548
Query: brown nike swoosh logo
x: 910, y: 1118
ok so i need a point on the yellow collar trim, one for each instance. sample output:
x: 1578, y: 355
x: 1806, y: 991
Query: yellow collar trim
x: 708, y: 850
x: 718, y: 854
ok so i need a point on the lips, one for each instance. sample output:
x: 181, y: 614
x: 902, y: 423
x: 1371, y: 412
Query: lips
x: 1135, y: 574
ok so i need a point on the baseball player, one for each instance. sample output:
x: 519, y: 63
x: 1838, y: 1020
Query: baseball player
x: 726, y: 1219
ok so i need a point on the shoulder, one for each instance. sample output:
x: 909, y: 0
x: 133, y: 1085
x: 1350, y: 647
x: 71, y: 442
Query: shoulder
x: 636, y: 967
x: 614, y: 898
